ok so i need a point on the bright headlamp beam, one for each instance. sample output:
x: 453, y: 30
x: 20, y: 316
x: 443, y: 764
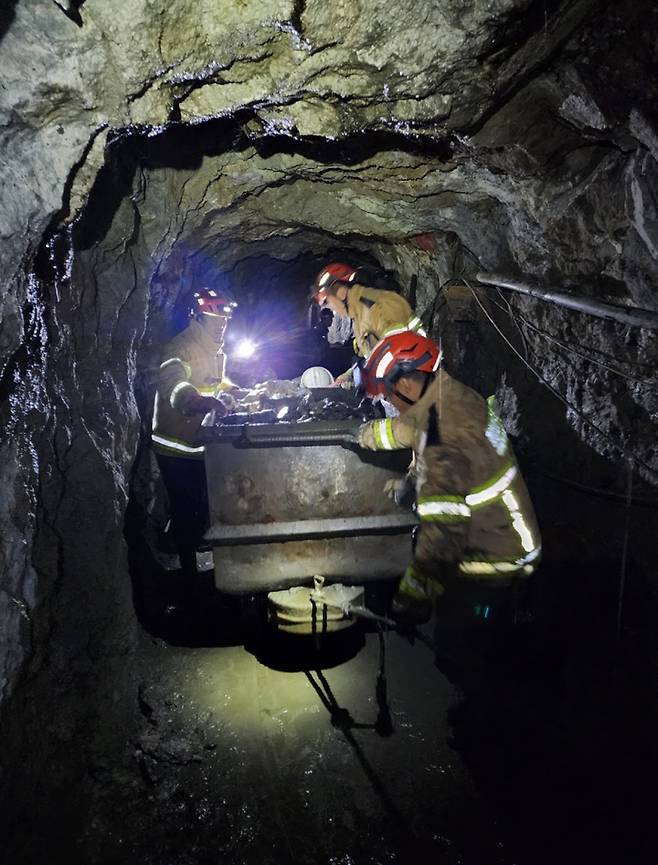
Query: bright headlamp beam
x: 245, y: 349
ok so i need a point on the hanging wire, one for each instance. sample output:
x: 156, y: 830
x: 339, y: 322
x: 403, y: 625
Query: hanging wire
x: 557, y: 393
x: 641, y: 502
x: 624, y: 549
x: 568, y: 348
x: 510, y: 312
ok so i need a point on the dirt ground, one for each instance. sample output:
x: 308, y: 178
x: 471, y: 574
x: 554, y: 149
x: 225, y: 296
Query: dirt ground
x: 257, y: 748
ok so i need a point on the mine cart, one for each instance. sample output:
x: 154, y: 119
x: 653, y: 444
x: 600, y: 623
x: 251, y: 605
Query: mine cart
x: 290, y: 501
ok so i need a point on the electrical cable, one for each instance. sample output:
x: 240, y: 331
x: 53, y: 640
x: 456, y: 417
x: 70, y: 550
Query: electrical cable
x: 624, y: 550
x: 516, y: 324
x: 630, y: 459
x: 568, y: 348
x: 594, y: 491
x: 556, y: 393
x: 534, y: 327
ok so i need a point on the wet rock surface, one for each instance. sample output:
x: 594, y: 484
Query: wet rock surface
x: 246, y: 762
x: 154, y: 147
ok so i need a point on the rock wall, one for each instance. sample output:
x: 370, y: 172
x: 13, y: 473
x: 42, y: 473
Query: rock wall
x: 147, y: 140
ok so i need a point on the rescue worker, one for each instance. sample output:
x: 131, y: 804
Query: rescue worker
x: 478, y: 537
x: 191, y: 384
x: 374, y: 312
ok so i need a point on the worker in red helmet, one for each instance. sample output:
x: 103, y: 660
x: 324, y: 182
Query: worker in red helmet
x: 478, y: 534
x: 374, y: 312
x: 191, y: 384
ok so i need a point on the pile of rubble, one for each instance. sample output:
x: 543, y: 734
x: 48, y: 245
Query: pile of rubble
x: 287, y: 401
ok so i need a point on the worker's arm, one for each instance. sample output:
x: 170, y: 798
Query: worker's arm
x: 387, y: 434
x: 345, y: 379
x: 174, y: 385
x: 223, y: 382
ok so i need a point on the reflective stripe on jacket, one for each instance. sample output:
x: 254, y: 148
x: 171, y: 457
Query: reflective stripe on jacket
x: 376, y: 313
x: 191, y: 366
x: 469, y: 487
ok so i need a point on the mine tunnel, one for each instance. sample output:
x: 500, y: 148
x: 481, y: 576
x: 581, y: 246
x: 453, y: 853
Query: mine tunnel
x: 495, y: 164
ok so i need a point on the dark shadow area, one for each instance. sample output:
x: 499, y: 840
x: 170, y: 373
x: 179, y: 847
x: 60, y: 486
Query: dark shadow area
x: 567, y: 758
x: 294, y: 653
x: 342, y: 720
x: 566, y: 762
x: 7, y: 15
x: 167, y: 605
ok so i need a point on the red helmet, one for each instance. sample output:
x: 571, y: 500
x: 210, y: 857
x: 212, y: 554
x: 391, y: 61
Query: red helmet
x: 210, y: 301
x: 328, y: 276
x: 395, y: 356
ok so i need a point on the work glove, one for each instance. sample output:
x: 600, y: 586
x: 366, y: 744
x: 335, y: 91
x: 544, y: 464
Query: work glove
x: 211, y: 403
x: 228, y: 401
x: 345, y: 379
x: 196, y: 404
x: 402, y: 491
x: 364, y: 436
x: 393, y: 488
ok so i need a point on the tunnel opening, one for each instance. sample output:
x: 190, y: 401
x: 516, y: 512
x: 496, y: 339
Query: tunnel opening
x: 563, y: 627
x: 571, y: 631
x: 554, y: 182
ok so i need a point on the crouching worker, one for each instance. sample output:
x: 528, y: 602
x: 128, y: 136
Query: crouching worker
x: 478, y: 535
x: 191, y: 384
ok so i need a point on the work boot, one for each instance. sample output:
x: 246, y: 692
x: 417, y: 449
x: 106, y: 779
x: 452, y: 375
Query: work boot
x: 411, y: 611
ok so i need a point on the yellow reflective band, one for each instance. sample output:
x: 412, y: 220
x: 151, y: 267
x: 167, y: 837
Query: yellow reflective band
x: 518, y: 523
x: 414, y: 323
x: 186, y: 367
x: 437, y: 510
x: 499, y: 566
x: 175, y: 445
x: 383, y: 432
x: 177, y: 389
x: 395, y: 328
x: 411, y: 585
x: 531, y: 555
x: 493, y: 489
x: 170, y: 361
x: 489, y: 567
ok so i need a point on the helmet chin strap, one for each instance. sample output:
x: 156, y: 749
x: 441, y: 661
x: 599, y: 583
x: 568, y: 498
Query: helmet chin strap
x: 426, y: 384
x: 403, y: 397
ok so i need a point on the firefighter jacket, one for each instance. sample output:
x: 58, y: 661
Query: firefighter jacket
x: 191, y: 365
x: 376, y: 313
x: 474, y: 509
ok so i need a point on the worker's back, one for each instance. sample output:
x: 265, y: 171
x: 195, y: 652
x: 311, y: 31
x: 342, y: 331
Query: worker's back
x: 375, y: 313
x: 190, y: 358
x: 466, y: 467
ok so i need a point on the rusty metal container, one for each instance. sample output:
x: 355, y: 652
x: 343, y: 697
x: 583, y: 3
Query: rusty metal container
x: 291, y: 501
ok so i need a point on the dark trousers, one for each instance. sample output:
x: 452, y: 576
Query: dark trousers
x: 185, y: 482
x: 474, y: 628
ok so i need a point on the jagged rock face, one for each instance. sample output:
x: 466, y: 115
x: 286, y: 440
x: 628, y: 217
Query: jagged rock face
x: 435, y: 139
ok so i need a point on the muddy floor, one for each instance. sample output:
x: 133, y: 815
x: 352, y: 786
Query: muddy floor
x: 288, y: 749
x: 258, y: 748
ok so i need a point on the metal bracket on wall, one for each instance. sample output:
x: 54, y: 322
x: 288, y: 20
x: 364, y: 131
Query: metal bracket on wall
x: 456, y: 303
